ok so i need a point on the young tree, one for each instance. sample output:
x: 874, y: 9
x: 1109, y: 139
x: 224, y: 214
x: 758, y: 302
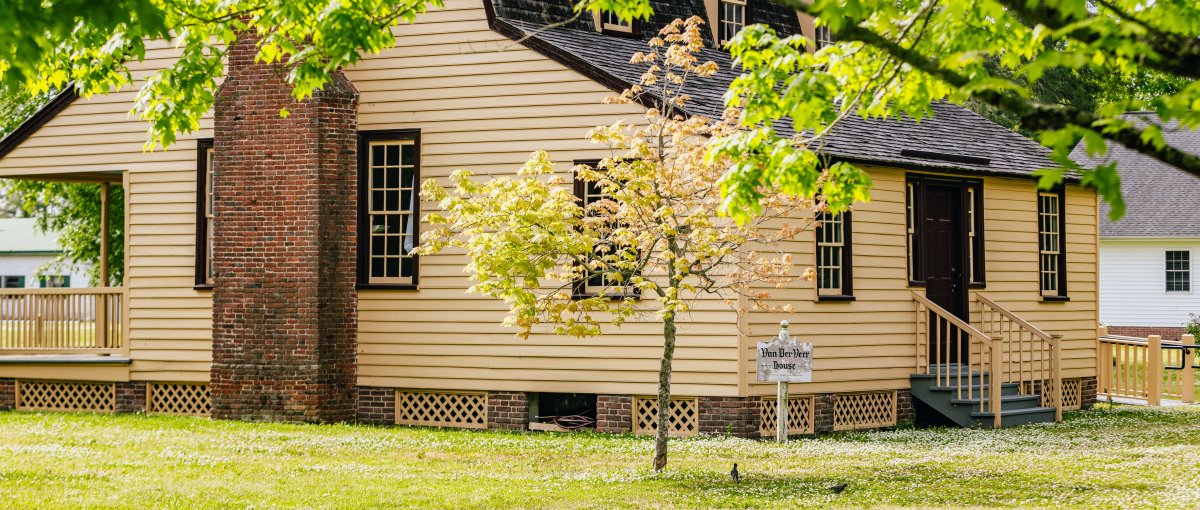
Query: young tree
x: 648, y: 238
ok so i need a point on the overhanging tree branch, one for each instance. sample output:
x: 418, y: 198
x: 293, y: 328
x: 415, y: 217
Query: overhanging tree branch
x: 1031, y: 114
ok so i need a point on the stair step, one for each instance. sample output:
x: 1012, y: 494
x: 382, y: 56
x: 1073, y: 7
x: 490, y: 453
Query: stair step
x: 1004, y: 400
x: 1006, y: 389
x: 1012, y: 417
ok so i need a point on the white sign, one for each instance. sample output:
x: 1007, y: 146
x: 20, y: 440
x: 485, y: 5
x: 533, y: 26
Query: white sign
x: 783, y: 360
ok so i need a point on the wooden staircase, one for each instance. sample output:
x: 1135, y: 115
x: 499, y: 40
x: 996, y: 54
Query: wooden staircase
x: 953, y: 382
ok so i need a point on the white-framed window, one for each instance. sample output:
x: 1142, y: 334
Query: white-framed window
x: 390, y: 197
x: 205, y: 224
x: 1179, y: 271
x: 1051, y: 253
x: 833, y: 255
x: 823, y: 36
x: 732, y: 19
x: 590, y: 193
x: 611, y: 22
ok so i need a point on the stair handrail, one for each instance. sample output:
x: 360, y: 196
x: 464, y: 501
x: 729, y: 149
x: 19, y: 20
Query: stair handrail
x: 992, y: 403
x: 992, y: 317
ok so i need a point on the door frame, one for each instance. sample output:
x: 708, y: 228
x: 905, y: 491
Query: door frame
x: 915, y: 193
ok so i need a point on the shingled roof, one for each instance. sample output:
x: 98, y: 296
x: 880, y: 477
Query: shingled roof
x: 1160, y: 199
x: 954, y: 139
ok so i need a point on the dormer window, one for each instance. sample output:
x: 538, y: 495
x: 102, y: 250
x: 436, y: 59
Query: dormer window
x: 610, y: 22
x: 823, y: 37
x: 732, y: 19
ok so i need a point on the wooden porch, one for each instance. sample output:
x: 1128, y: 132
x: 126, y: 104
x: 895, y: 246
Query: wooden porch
x: 62, y: 321
x: 68, y: 321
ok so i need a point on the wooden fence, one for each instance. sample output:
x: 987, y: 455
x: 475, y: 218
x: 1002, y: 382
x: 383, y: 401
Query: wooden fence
x: 1147, y: 368
x: 62, y: 320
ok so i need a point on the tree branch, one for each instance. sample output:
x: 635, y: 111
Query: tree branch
x: 1035, y: 116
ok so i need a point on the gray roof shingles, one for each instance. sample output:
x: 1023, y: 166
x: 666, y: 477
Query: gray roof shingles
x: 1160, y: 199
x: 952, y: 130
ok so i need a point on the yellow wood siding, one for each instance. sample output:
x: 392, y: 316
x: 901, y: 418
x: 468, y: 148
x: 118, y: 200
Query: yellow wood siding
x: 484, y: 102
x: 870, y: 343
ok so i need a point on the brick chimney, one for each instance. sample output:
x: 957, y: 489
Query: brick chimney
x: 285, y: 317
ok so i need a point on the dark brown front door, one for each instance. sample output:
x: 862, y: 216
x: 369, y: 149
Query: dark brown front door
x: 943, y: 265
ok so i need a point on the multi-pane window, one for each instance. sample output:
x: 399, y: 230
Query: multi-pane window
x: 732, y: 18
x: 1179, y: 271
x: 13, y: 282
x: 1051, y: 255
x: 205, y: 226
x: 823, y: 36
x: 910, y: 222
x: 589, y: 194
x: 969, y: 203
x: 55, y: 281
x: 833, y: 254
x: 610, y: 21
x: 391, y: 210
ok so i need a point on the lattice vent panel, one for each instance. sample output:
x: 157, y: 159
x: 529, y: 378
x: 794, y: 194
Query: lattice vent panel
x: 853, y: 411
x: 188, y: 399
x: 66, y: 396
x: 1072, y: 395
x: 682, y: 420
x: 457, y: 410
x: 800, y: 416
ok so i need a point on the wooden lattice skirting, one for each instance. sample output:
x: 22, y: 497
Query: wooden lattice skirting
x: 66, y: 396
x: 853, y: 411
x: 441, y: 409
x: 1072, y: 394
x: 800, y: 415
x: 682, y: 419
x: 191, y: 399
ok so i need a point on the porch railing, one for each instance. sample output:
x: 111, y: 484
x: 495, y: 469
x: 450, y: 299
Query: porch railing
x: 1147, y: 368
x: 1031, y: 357
x: 967, y: 362
x: 48, y: 321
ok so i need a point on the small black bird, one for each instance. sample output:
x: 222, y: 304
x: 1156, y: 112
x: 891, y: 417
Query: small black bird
x: 737, y: 478
x: 837, y: 489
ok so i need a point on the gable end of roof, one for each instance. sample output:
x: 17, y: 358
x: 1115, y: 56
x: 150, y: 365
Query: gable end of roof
x: 39, y: 119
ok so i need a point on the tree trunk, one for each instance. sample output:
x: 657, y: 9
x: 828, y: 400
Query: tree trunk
x: 664, y: 392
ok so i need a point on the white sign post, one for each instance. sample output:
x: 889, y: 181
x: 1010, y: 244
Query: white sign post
x: 783, y: 360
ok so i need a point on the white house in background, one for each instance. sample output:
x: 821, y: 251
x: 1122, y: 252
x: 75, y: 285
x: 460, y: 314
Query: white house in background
x: 1149, y: 257
x: 24, y: 250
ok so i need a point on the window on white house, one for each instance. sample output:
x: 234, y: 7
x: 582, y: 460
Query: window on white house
x: 391, y: 202
x: 1051, y: 253
x: 13, y: 282
x: 833, y: 255
x: 56, y: 281
x: 732, y: 19
x: 1179, y: 271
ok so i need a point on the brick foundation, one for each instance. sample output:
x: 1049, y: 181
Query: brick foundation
x: 507, y: 410
x: 1087, y: 392
x: 376, y: 406
x: 1167, y: 333
x: 131, y: 397
x: 284, y: 301
x: 614, y: 413
x: 823, y: 413
x: 734, y: 416
x: 8, y: 394
x: 905, y: 415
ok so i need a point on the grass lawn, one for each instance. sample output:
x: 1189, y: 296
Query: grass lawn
x: 1111, y: 457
